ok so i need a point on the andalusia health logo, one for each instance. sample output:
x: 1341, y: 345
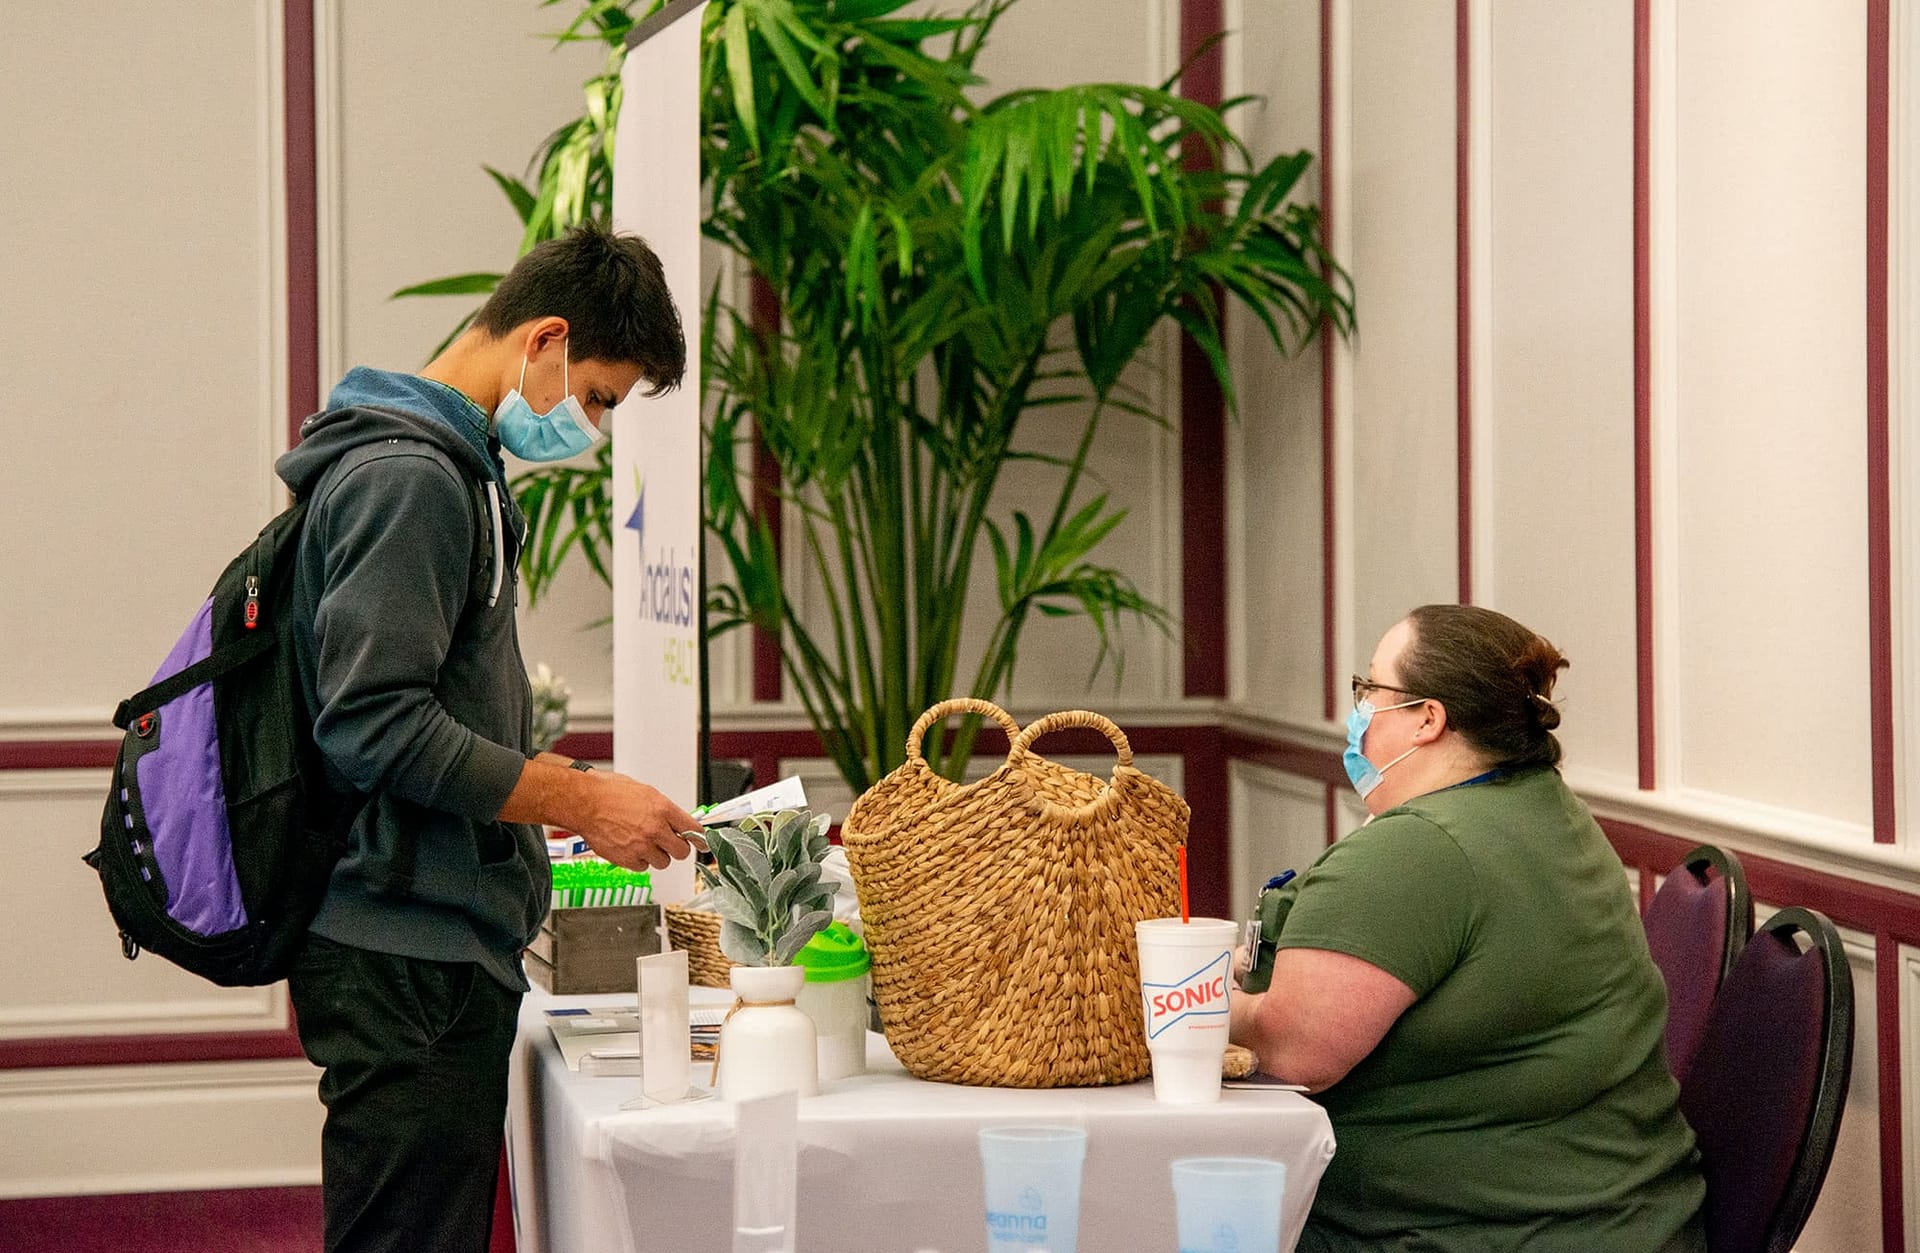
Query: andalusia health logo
x: 666, y: 580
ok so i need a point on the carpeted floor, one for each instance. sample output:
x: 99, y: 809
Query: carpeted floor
x: 257, y: 1220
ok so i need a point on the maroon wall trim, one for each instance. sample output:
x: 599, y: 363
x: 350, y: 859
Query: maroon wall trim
x: 1643, y: 387
x: 145, y: 1050
x: 303, y: 248
x: 58, y: 754
x: 1329, y: 646
x: 1886, y: 966
x: 1879, y: 509
x: 1463, y: 290
x: 1203, y: 420
x: 763, y: 314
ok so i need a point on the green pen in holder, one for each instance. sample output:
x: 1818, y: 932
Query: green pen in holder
x: 1270, y: 914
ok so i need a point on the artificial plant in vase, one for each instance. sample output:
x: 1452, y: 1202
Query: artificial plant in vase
x: 772, y: 900
x: 951, y: 274
x: 769, y: 891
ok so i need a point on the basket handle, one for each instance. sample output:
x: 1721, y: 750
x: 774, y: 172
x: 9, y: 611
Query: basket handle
x: 959, y: 705
x: 1023, y: 742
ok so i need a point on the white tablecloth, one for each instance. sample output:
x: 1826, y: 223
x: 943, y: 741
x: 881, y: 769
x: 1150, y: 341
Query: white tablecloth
x: 888, y: 1163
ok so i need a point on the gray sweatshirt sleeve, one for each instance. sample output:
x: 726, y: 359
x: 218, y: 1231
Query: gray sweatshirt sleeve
x: 398, y: 540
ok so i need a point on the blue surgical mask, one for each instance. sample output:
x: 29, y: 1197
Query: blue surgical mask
x: 561, y: 432
x: 1364, y: 774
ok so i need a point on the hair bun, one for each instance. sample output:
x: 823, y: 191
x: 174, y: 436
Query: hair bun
x: 1545, y: 712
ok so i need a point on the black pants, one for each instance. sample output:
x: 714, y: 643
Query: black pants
x: 415, y: 1054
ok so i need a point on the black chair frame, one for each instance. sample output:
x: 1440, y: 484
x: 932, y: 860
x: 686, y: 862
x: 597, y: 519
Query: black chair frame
x: 1739, y: 899
x: 1836, y: 1067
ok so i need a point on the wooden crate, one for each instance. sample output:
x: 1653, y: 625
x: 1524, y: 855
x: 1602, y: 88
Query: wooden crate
x: 592, y: 948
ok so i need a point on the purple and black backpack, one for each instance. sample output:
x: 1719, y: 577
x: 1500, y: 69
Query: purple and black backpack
x: 220, y: 828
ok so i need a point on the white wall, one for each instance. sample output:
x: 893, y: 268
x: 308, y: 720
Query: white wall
x: 1758, y: 259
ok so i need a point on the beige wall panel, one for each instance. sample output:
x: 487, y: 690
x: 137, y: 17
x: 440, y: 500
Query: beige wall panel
x: 1404, y: 424
x: 1768, y: 442
x: 1279, y: 822
x: 58, y: 924
x: 1274, y: 506
x: 130, y: 1129
x: 1557, y: 517
x: 142, y: 315
x: 404, y: 136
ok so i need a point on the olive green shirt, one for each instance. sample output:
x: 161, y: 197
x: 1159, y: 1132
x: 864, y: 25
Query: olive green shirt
x: 1524, y: 1099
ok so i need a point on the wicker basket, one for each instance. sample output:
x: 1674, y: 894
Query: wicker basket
x: 999, y: 914
x: 698, y: 932
x: 914, y: 785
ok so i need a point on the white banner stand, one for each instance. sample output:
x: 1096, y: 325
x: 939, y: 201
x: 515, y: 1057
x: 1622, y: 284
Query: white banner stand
x: 656, y: 443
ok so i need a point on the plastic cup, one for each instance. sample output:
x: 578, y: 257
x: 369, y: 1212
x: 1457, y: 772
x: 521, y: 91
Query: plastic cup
x: 1033, y: 1187
x: 1185, y: 976
x: 1228, y: 1204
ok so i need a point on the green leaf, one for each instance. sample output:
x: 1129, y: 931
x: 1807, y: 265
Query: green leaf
x: 803, y: 928
x: 740, y: 72
x: 515, y: 191
x: 744, y: 946
x: 457, y: 285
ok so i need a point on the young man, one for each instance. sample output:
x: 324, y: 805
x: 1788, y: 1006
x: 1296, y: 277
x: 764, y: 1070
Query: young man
x: 409, y: 985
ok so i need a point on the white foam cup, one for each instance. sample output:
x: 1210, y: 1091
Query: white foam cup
x: 1185, y: 977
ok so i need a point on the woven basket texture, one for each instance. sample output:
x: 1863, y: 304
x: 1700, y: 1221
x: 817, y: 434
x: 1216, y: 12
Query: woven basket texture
x: 698, y: 932
x: 999, y: 914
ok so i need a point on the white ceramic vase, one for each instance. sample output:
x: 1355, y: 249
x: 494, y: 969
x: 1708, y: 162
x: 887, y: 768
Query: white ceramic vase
x: 768, y: 1045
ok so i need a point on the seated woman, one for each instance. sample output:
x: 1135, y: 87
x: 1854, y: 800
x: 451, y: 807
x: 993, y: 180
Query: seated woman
x: 1464, y: 982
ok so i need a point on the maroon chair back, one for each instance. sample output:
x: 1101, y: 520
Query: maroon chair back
x: 1696, y: 926
x: 1768, y: 1084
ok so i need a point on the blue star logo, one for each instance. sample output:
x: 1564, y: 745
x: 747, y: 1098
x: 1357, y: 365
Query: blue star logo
x: 638, y: 520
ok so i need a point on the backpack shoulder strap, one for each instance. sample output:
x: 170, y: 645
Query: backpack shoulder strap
x: 255, y: 563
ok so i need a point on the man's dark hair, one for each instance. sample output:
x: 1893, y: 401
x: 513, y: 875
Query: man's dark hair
x: 613, y: 293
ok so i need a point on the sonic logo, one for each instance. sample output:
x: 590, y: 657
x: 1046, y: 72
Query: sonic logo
x: 1202, y: 995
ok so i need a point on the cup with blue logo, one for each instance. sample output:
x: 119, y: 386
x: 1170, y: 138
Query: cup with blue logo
x: 1228, y: 1204
x: 1186, y: 970
x: 1032, y: 1178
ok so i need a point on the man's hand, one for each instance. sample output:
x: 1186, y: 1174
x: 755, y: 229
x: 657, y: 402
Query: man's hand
x: 622, y: 819
x: 634, y: 825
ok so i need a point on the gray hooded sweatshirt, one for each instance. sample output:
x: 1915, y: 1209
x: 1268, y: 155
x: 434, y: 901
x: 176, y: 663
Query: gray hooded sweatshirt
x: 408, y: 653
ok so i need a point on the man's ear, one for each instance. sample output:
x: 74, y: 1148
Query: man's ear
x: 542, y: 333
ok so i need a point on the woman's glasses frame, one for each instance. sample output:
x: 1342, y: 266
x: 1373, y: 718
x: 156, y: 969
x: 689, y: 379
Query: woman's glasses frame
x: 1362, y: 686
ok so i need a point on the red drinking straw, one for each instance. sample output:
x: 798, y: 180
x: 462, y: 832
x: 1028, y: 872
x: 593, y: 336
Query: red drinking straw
x: 1183, y: 884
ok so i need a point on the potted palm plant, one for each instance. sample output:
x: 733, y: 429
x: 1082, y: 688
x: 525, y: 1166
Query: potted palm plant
x: 949, y: 271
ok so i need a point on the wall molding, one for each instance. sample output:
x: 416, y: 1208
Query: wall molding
x: 249, y: 1124
x: 1903, y: 387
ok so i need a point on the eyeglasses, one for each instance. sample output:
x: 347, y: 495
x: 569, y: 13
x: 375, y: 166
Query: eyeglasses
x: 1361, y: 687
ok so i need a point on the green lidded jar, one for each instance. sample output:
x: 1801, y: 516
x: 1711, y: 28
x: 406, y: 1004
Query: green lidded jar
x: 835, y: 997
x: 834, y: 954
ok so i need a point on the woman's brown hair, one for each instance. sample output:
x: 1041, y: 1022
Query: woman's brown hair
x: 1494, y: 676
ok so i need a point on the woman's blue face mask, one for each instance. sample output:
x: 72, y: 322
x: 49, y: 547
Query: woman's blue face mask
x: 1363, y: 773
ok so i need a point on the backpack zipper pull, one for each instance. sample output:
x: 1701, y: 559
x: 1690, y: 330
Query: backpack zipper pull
x: 253, y: 601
